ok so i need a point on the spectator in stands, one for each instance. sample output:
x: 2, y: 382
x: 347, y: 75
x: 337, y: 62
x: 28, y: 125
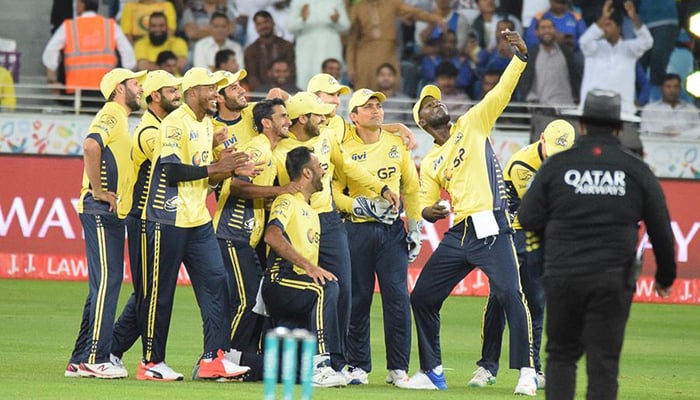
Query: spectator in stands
x: 206, y: 48
x: 135, y: 17
x: 455, y: 22
x: 610, y: 62
x: 372, y: 40
x: 279, y: 76
x: 196, y: 19
x: 317, y: 25
x: 279, y: 10
x: 267, y: 48
x: 670, y: 115
x: 452, y: 96
x: 661, y: 17
x: 397, y: 103
x: 167, y: 61
x: 681, y: 61
x: 485, y: 25
x: 551, y: 78
x: 498, y: 57
x: 61, y: 10
x: 447, y: 51
x: 7, y: 91
x: 530, y: 9
x: 226, y: 60
x: 159, y: 39
x: 87, y: 53
x: 332, y: 67
x: 569, y: 25
x: 489, y: 81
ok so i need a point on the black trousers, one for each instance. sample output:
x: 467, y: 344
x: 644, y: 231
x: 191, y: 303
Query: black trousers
x: 586, y: 314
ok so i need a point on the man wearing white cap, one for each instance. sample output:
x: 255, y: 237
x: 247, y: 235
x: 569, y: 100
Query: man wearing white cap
x: 162, y: 91
x: 521, y: 168
x: 379, y: 246
x: 177, y: 215
x: 105, y: 179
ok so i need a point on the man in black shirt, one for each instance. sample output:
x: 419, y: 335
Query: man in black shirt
x: 588, y: 204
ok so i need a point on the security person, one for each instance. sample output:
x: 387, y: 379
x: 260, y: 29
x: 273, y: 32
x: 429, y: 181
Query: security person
x: 588, y: 202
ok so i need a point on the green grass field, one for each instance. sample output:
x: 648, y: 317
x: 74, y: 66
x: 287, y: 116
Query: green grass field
x: 39, y: 321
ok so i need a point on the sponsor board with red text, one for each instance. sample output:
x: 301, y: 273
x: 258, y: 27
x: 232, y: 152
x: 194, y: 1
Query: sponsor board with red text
x: 41, y: 236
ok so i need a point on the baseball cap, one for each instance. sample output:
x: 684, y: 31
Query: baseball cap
x: 327, y: 84
x: 307, y: 102
x: 231, y: 78
x: 558, y: 135
x: 602, y: 105
x: 198, y: 76
x: 116, y: 76
x: 158, y: 79
x: 362, y: 96
x: 428, y: 91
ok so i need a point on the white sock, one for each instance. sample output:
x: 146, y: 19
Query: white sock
x: 236, y: 356
x: 438, y: 369
x: 527, y: 371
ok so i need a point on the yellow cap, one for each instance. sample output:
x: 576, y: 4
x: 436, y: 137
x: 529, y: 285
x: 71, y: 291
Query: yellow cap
x: 428, y: 91
x: 327, y: 84
x: 305, y: 103
x: 116, y: 76
x: 198, y: 76
x: 155, y: 80
x: 559, y: 135
x: 231, y: 78
x: 362, y: 96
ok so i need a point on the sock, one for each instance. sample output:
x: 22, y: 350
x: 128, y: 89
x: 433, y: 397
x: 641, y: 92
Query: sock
x: 438, y: 370
x: 235, y: 356
x: 209, y: 355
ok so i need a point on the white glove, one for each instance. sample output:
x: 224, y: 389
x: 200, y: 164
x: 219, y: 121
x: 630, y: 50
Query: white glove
x: 378, y: 208
x: 413, y: 238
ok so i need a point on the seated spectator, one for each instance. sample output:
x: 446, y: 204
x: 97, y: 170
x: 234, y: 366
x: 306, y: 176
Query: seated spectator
x: 159, y: 39
x: 457, y: 23
x: 670, y: 116
x: 447, y: 51
x: 196, y: 19
x: 280, y: 76
x: 681, y: 61
x: 206, y: 48
x: 387, y: 82
x: 268, y: 47
x: 7, y: 91
x: 135, y: 16
x: 226, y: 60
x: 167, y: 61
x: 453, y: 97
x: 332, y: 67
x: 485, y: 25
x: 499, y: 56
x: 568, y: 24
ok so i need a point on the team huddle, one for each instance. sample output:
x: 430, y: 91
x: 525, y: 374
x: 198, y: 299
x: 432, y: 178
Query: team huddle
x: 308, y: 212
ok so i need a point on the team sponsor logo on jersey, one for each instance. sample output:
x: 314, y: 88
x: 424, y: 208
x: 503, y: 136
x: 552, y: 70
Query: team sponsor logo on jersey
x: 386, y: 172
x: 304, y: 213
x: 200, y: 158
x: 359, y: 156
x: 313, y: 236
x: 325, y: 147
x: 230, y: 141
x: 172, y: 132
x: 283, y: 204
x: 194, y: 135
x: 108, y: 120
x: 171, y: 204
x: 596, y: 182
x: 394, y: 152
x: 437, y: 162
x: 458, y: 136
x: 254, y: 154
x: 448, y: 173
x: 524, y: 177
x: 248, y: 225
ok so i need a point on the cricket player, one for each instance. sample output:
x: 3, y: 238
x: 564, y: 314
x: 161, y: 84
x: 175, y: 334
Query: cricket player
x: 162, y: 92
x: 106, y: 176
x: 377, y: 247
x: 557, y: 136
x: 463, y: 163
x: 295, y: 288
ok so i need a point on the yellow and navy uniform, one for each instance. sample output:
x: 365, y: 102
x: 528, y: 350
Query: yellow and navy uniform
x: 143, y: 143
x: 239, y: 130
x: 243, y: 220
x: 332, y: 158
x: 182, y: 140
x: 466, y: 165
x: 340, y: 129
x: 520, y: 170
x: 110, y: 129
x: 388, y: 160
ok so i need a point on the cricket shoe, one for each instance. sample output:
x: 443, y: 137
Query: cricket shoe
x: 527, y: 383
x: 541, y: 380
x: 355, y: 375
x: 325, y: 376
x: 219, y: 367
x: 397, y: 377
x: 116, y: 360
x: 425, y: 380
x: 72, y: 370
x: 105, y: 370
x: 482, y: 378
x: 157, y: 372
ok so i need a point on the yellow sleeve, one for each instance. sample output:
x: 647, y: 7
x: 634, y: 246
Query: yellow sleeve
x: 281, y: 211
x: 102, y: 125
x: 410, y: 186
x: 343, y: 202
x: 430, y: 188
x: 147, y: 140
x: 354, y: 171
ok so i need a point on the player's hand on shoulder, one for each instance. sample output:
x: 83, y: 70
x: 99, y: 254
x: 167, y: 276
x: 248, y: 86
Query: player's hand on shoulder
x: 230, y: 159
x: 251, y: 169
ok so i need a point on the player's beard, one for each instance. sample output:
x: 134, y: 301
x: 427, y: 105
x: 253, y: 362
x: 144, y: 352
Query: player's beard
x: 170, y: 105
x: 311, y: 130
x: 439, y: 120
x: 132, y: 100
x: 233, y: 105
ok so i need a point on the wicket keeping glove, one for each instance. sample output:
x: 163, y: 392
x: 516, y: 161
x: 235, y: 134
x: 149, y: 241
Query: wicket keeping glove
x: 413, y: 238
x: 378, y: 208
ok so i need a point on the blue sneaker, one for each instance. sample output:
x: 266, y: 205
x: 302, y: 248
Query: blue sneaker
x: 438, y: 380
x: 424, y: 380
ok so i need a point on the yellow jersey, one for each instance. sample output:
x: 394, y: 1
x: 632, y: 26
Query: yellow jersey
x: 143, y: 143
x: 239, y: 130
x: 387, y: 159
x: 466, y: 165
x: 243, y: 220
x: 184, y: 140
x: 520, y: 170
x: 110, y: 128
x: 300, y: 225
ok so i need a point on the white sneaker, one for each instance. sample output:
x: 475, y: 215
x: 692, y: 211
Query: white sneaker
x: 105, y: 370
x: 541, y: 380
x: 116, y: 360
x: 327, y: 377
x: 355, y: 375
x: 420, y: 380
x: 527, y: 383
x: 157, y: 372
x: 397, y: 377
x: 72, y: 370
x: 482, y: 378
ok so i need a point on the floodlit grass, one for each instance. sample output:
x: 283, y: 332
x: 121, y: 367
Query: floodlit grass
x: 39, y: 321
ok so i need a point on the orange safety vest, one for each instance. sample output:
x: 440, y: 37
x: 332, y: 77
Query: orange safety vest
x: 89, y: 52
